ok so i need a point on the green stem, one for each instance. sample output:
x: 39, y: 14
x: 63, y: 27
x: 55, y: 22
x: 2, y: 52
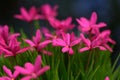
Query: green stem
x: 68, y: 66
x: 15, y: 60
x: 53, y: 70
x: 32, y: 29
x: 36, y: 24
x: 114, y: 65
x: 88, y: 62
x: 95, y: 57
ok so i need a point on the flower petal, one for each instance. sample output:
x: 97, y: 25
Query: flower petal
x: 47, y: 52
x: 100, y: 25
x: 108, y: 47
x: 32, y: 11
x: 14, y: 35
x: 6, y: 52
x: 38, y: 35
x: 68, y: 39
x: 37, y: 64
x: 25, y: 14
x: 84, y: 22
x: 93, y: 18
x: 5, y: 78
x: 15, y: 74
x: 111, y: 41
x: 65, y: 49
x: 29, y: 67
x: 26, y: 78
x: 60, y: 42
x: 5, y: 32
x: 44, y: 43
x: 75, y: 42
x: 107, y: 78
x: 2, y: 42
x: 29, y: 42
x: 17, y: 16
x: 43, y: 70
x: 71, y: 52
x: 48, y: 35
x: 45, y: 30
x: 86, y: 41
x: 23, y: 50
x: 102, y: 48
x: 68, y: 20
x: 83, y: 49
x: 7, y: 71
x: 22, y: 70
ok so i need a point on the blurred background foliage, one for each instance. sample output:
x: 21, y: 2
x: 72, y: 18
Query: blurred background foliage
x: 107, y: 10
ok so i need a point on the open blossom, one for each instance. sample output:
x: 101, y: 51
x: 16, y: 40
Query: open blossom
x: 90, y: 44
x: 48, y: 12
x: 9, y: 76
x: 99, y: 42
x: 51, y: 37
x: 36, y: 42
x: 104, y: 38
x: 90, y: 26
x: 107, y: 78
x: 5, y: 35
x: 12, y: 48
x: 63, y: 25
x: 28, y: 16
x: 32, y: 71
x: 67, y: 42
x: 7, y: 41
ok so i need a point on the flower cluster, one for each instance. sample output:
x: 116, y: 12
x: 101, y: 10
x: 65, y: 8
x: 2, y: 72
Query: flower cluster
x: 90, y: 38
x: 30, y: 71
x: 9, y: 44
x: 89, y: 27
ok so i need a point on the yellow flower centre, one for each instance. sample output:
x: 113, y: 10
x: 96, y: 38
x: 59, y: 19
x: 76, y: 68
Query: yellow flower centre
x: 34, y: 75
x: 55, y: 37
x: 67, y: 46
x: 13, y: 79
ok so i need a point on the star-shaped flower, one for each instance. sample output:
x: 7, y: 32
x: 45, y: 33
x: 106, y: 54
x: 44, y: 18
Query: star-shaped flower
x: 28, y: 16
x: 67, y: 42
x: 48, y: 12
x: 99, y: 41
x: 9, y: 76
x: 36, y: 42
x: 12, y: 48
x: 90, y: 26
x: 63, y: 25
x: 32, y: 71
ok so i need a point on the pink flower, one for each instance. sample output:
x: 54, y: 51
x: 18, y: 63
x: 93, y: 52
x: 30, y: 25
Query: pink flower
x: 67, y: 42
x: 51, y: 37
x: 5, y: 38
x: 104, y: 38
x: 36, y: 42
x: 12, y: 48
x: 63, y: 25
x: 5, y: 35
x: 107, y: 78
x: 48, y: 12
x: 9, y: 76
x: 99, y: 41
x: 32, y: 71
x: 89, y: 45
x: 28, y: 15
x: 90, y: 26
